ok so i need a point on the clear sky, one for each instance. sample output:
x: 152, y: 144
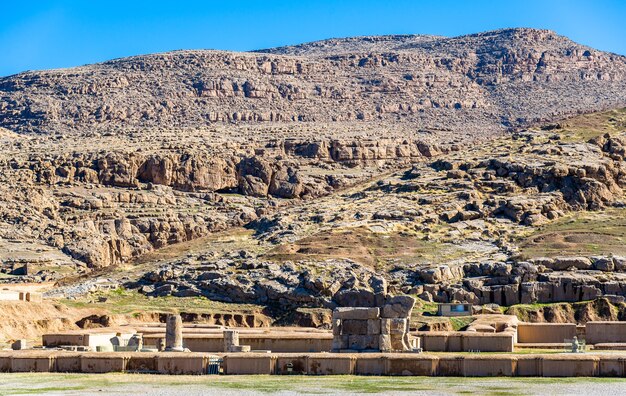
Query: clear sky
x: 43, y: 34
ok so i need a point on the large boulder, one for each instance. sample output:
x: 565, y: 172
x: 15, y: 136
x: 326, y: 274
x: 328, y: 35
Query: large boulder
x: 563, y: 263
x: 254, y: 176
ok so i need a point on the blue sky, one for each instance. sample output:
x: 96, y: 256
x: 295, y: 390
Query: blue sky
x: 49, y: 34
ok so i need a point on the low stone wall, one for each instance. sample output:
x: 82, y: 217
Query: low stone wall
x: 88, y: 339
x: 462, y: 341
x: 545, y: 333
x: 550, y: 365
x: 605, y: 332
x: 303, y: 342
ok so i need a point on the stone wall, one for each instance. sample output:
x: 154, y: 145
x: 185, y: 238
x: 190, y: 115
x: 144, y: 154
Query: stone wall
x: 545, y: 332
x: 535, y: 365
x: 605, y: 332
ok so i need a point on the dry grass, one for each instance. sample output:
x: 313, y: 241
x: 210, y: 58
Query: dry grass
x: 580, y: 233
x: 122, y: 301
x: 364, y: 246
x: 588, y: 126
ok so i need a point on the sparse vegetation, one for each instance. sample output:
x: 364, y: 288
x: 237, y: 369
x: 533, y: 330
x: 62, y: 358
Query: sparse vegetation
x: 122, y: 301
x: 579, y: 233
x: 588, y: 126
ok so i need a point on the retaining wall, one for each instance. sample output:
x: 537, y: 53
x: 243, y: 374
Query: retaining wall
x: 462, y: 341
x: 549, y: 365
x: 315, y: 342
x: 545, y: 333
x: 605, y: 332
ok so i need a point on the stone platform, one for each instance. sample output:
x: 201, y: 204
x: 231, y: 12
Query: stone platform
x: 445, y: 364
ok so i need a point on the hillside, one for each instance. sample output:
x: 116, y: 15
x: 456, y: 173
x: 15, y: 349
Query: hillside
x: 476, y: 85
x: 479, y: 168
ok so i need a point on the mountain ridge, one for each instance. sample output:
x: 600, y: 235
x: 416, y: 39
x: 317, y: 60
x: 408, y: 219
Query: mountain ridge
x: 478, y: 83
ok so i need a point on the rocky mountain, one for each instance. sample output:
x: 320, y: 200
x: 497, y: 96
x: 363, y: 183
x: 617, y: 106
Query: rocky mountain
x: 313, y: 175
x: 474, y: 84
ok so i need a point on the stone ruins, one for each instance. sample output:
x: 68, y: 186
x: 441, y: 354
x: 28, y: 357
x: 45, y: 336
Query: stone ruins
x: 231, y: 342
x: 365, y: 329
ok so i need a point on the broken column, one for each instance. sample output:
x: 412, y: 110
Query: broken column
x: 231, y: 342
x: 174, y: 333
x: 135, y: 342
x: 231, y: 338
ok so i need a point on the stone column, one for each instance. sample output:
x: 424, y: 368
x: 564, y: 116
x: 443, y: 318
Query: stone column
x: 174, y: 333
x: 231, y: 339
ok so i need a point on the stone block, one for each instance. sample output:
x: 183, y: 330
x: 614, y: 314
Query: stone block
x: 373, y: 326
x: 536, y: 333
x: 492, y: 366
x: 358, y: 313
x: 337, y: 327
x: 511, y: 295
x: 292, y: 365
x: 355, y: 298
x: 398, y: 307
x: 5, y: 364
x: 231, y: 339
x: 619, y: 263
x: 330, y: 365
x: 612, y: 366
x: 451, y: 366
x: 362, y: 342
x: 67, y: 363
x: 563, y: 263
x: 398, y: 342
x: 605, y: 264
x: 384, y: 343
x: 352, y: 326
x: 340, y: 342
x: 239, y: 348
x: 142, y: 363
x: 529, y: 366
x: 249, y: 364
x: 574, y: 366
x: 103, y: 363
x: 393, y: 326
x: 411, y: 365
x: 180, y: 364
x: 367, y: 364
x: 605, y: 332
x: 19, y: 345
x: 27, y: 364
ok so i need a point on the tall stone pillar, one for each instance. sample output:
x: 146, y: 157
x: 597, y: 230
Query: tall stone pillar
x: 174, y: 333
